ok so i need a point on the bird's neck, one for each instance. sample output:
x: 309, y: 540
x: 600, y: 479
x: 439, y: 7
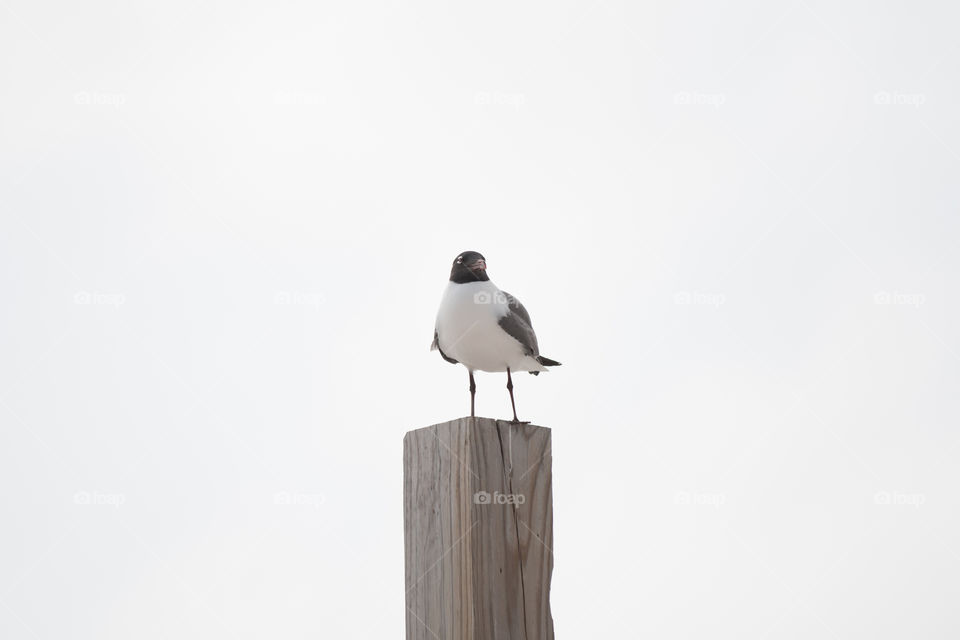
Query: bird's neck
x: 464, y: 278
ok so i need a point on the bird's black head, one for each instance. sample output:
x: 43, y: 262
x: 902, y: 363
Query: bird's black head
x: 469, y: 266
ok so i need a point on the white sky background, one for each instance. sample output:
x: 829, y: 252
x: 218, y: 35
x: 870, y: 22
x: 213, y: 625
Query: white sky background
x: 226, y: 228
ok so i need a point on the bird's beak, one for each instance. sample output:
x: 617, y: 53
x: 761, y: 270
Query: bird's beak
x: 479, y: 265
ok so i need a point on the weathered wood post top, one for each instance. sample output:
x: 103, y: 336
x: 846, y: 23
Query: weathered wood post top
x: 478, y: 529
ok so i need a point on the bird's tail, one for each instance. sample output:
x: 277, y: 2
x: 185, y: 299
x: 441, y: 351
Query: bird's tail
x: 544, y: 362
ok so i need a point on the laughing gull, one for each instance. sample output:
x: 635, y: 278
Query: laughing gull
x: 484, y: 328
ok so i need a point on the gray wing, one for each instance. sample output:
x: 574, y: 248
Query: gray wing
x: 517, y: 324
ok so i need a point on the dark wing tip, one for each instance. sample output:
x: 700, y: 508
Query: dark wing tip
x: 436, y: 347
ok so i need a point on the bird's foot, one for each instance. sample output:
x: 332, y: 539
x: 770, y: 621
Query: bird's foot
x: 515, y: 421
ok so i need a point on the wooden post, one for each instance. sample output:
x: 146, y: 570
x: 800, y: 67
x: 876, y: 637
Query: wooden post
x: 478, y: 528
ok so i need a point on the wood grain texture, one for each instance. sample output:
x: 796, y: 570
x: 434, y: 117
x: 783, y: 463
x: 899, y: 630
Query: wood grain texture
x: 478, y: 529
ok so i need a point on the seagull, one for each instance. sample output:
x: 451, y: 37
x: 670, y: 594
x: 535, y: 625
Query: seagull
x: 484, y: 328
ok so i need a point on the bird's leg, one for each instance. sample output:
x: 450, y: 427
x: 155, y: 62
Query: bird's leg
x: 473, y: 391
x: 510, y: 389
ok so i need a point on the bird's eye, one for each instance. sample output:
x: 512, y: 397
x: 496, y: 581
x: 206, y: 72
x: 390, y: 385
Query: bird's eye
x: 459, y: 259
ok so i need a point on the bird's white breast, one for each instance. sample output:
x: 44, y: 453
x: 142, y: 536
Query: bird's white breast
x: 468, y: 329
